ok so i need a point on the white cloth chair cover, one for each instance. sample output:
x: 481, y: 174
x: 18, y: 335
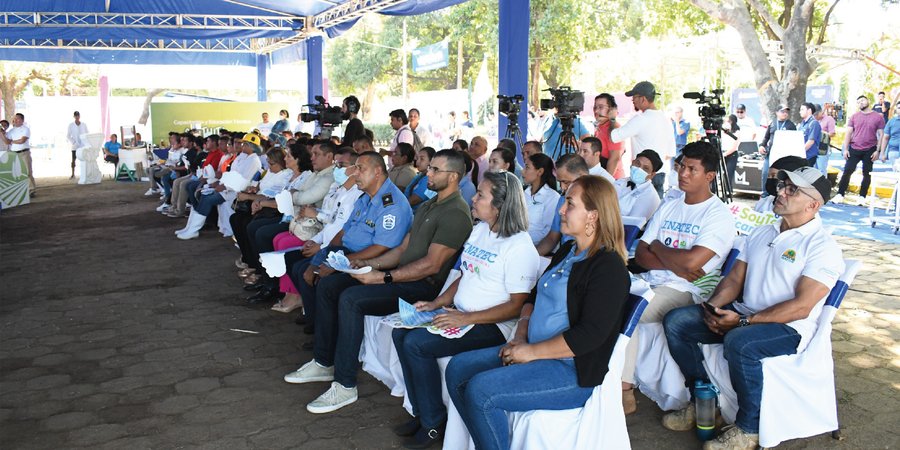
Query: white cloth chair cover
x: 88, y: 169
x: 274, y: 263
x: 225, y: 212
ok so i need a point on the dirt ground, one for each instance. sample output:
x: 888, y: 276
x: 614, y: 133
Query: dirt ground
x: 114, y: 334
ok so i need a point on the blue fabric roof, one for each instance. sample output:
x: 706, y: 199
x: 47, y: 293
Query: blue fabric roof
x: 11, y: 37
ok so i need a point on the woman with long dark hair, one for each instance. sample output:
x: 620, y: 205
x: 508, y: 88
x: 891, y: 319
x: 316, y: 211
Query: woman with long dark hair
x: 540, y: 195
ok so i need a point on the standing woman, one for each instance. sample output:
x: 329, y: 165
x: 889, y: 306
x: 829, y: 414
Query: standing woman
x: 567, y: 328
x: 489, y: 295
x: 541, y: 196
x: 417, y: 190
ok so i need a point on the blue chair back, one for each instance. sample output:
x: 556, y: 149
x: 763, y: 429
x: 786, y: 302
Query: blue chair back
x: 257, y: 176
x: 836, y: 296
x: 729, y: 261
x: 633, y: 312
x: 631, y: 233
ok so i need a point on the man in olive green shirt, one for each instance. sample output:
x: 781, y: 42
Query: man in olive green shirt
x: 416, y: 270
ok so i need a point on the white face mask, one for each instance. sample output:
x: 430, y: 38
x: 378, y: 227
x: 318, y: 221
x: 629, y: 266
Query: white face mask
x: 638, y: 176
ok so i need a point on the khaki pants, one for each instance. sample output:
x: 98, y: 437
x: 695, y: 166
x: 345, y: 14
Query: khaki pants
x: 26, y: 156
x: 180, y: 193
x: 664, y: 300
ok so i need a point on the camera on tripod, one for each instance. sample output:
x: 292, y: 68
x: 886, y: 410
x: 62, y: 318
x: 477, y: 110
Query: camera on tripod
x: 328, y: 116
x: 568, y: 103
x: 711, y: 110
x: 510, y: 106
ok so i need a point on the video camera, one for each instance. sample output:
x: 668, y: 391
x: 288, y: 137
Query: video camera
x: 568, y: 103
x: 328, y: 116
x: 712, y: 111
x: 510, y: 106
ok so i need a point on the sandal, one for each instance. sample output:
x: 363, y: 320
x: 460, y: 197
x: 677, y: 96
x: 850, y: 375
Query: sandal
x: 281, y: 307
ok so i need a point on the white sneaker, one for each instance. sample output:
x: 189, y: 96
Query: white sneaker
x: 186, y: 236
x: 837, y: 199
x: 335, y: 398
x: 150, y: 192
x: 733, y: 438
x: 164, y: 208
x: 310, y: 372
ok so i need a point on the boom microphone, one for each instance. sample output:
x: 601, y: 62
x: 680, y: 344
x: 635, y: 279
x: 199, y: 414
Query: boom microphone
x: 693, y: 95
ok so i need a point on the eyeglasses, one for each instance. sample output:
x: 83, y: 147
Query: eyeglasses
x: 791, y: 189
x: 343, y: 165
x: 432, y: 169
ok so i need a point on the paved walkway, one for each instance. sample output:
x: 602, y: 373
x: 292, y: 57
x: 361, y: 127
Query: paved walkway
x: 113, y: 334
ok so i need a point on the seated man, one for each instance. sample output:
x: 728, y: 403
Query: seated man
x: 686, y: 240
x: 111, y: 150
x: 637, y: 196
x: 415, y: 271
x: 590, y: 149
x: 767, y: 306
x: 786, y: 163
x: 569, y: 168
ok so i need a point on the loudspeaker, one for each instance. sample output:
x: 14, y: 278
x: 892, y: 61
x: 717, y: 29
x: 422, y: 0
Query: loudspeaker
x: 748, y: 175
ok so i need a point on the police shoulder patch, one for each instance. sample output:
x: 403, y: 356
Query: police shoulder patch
x: 387, y: 200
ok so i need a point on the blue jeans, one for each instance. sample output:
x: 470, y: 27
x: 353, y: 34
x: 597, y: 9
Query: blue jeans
x: 418, y: 351
x: 765, y: 175
x: 892, y: 155
x: 208, y: 202
x: 483, y: 391
x: 822, y: 164
x: 340, y: 296
x: 745, y: 349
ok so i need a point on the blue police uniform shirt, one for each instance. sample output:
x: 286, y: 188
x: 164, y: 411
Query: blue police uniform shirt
x: 418, y: 186
x: 383, y: 219
x: 551, y: 136
x: 811, y: 130
x: 555, y: 226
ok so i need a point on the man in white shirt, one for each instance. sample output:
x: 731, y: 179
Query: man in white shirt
x: 590, y: 149
x: 649, y: 130
x: 748, y: 129
x: 683, y: 246
x: 767, y: 306
x: 265, y: 127
x: 637, y: 197
x: 17, y: 138
x: 73, y: 135
x: 480, y: 156
x: 569, y: 167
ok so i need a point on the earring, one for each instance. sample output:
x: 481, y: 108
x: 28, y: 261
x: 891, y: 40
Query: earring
x: 589, y: 230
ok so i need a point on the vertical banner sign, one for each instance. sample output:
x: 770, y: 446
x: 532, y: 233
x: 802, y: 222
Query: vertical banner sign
x: 430, y: 57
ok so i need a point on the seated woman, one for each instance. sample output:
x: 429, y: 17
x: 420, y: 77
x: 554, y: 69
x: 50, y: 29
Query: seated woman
x: 417, y: 191
x: 278, y: 178
x: 564, y: 340
x: 502, y: 159
x: 276, y: 135
x: 403, y: 172
x: 111, y: 150
x: 541, y: 196
x: 637, y: 196
x: 489, y: 295
x: 246, y: 164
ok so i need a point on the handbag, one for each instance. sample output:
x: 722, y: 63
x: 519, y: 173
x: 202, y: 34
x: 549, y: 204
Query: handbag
x: 243, y: 207
x: 305, y: 228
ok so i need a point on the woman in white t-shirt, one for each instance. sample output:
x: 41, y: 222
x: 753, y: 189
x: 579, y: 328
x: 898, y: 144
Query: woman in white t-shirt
x: 499, y: 269
x: 540, y: 196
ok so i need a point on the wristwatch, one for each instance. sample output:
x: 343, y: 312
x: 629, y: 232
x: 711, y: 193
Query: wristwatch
x: 388, y: 278
x: 743, y: 321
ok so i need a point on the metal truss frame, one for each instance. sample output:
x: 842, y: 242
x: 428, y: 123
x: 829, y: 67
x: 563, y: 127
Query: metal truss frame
x: 177, y: 21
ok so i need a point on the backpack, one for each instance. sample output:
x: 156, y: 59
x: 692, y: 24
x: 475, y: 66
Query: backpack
x: 824, y: 144
x: 417, y: 143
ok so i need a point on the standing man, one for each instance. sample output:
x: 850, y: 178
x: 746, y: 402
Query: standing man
x: 827, y: 124
x: 17, y: 139
x: 747, y: 132
x: 864, y: 131
x: 681, y: 127
x: 882, y: 106
x: 478, y: 151
x: 781, y: 123
x: 649, y: 130
x: 355, y: 129
x: 812, y: 132
x: 404, y: 133
x: 73, y: 135
x: 422, y: 133
x: 605, y: 112
x: 414, y: 270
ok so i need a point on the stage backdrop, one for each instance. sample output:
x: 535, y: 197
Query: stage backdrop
x: 210, y: 116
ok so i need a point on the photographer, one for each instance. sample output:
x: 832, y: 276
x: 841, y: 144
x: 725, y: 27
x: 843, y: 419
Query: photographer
x: 649, y: 130
x: 354, y: 129
x: 554, y: 130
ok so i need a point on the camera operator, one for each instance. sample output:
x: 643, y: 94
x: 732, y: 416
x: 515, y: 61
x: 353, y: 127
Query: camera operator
x: 354, y: 129
x: 650, y: 130
x: 554, y: 130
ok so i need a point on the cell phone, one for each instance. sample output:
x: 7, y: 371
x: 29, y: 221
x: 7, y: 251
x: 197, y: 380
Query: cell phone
x: 711, y: 309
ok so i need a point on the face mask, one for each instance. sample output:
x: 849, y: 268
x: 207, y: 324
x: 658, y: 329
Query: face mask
x: 772, y: 186
x: 638, y: 176
x: 340, y: 175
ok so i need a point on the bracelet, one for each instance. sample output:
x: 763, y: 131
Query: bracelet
x: 524, y: 318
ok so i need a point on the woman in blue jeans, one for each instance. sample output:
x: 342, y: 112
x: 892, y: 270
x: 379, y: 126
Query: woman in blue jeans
x: 567, y: 329
x: 499, y: 266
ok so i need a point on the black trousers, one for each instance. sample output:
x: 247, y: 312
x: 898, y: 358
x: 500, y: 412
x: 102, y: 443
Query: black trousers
x: 850, y: 166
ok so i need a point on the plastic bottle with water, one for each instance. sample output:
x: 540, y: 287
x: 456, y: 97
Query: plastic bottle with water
x: 705, y: 396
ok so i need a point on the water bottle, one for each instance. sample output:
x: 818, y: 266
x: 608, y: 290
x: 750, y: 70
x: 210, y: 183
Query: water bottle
x: 705, y: 395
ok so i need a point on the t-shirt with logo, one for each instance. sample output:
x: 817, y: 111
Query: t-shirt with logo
x: 493, y: 268
x: 775, y: 263
x: 681, y: 226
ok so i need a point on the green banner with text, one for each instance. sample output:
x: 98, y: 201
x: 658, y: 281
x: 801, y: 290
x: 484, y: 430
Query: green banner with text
x: 209, y: 117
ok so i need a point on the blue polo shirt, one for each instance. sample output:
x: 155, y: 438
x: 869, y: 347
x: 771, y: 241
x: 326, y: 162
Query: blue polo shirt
x: 681, y: 140
x: 551, y: 136
x: 113, y: 147
x: 892, y: 131
x: 811, y: 130
x: 383, y: 219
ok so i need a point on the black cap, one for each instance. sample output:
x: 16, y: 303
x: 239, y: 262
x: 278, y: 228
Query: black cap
x: 644, y: 89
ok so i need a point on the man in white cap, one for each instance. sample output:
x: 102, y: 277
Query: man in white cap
x: 768, y: 305
x: 650, y: 130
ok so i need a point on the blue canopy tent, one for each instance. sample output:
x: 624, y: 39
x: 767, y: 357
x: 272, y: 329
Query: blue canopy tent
x: 223, y: 32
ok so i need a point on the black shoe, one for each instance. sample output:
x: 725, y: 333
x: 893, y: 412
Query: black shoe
x: 300, y: 319
x: 255, y: 287
x: 309, y: 329
x: 263, y: 296
x: 308, y: 345
x: 409, y: 428
x: 425, y: 437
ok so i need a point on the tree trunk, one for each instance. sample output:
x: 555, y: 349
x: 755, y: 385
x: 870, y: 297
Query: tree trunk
x: 145, y: 113
x: 367, y: 102
x: 535, y: 97
x: 7, y: 85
